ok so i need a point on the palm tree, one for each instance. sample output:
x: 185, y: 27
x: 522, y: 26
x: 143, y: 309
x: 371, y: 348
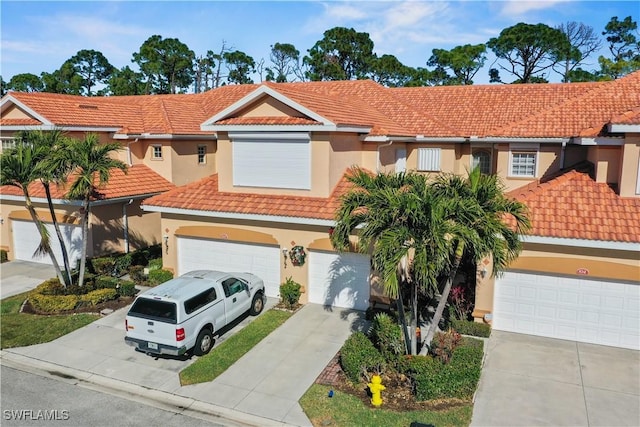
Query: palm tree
x: 401, y: 225
x: 91, y: 164
x: 17, y: 168
x: 51, y: 169
x: 489, y: 223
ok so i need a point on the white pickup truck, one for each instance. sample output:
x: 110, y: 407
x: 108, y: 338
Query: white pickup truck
x: 185, y: 313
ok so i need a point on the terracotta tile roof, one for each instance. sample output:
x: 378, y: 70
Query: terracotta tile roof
x: 503, y: 111
x: 574, y: 206
x: 204, y: 195
x: 138, y: 181
x: 18, y: 122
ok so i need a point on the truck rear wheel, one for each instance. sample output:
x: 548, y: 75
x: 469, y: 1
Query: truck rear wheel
x: 204, y: 343
x: 257, y: 304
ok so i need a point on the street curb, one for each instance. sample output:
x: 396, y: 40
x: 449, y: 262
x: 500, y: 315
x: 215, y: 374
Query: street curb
x: 156, y: 398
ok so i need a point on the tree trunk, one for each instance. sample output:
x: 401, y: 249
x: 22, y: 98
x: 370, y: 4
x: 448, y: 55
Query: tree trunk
x: 443, y: 300
x: 47, y: 246
x: 63, y: 246
x: 414, y: 319
x: 85, y: 232
x: 403, y: 322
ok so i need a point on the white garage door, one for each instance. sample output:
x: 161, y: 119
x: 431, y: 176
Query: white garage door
x: 593, y: 311
x: 26, y: 239
x: 207, y: 254
x: 339, y: 280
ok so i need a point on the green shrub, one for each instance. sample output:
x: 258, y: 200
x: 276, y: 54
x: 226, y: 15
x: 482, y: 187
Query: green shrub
x: 53, y: 303
x: 290, y: 293
x: 387, y: 336
x: 136, y: 273
x: 4, y: 257
x: 155, y: 264
x: 144, y: 255
x: 102, y: 282
x: 475, y: 329
x: 458, y: 379
x: 50, y: 287
x: 159, y: 276
x: 359, y: 356
x: 103, y: 266
x: 122, y: 264
x: 127, y: 288
x: 98, y: 296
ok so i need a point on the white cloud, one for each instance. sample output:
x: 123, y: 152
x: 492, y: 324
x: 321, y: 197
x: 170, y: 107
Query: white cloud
x: 518, y: 8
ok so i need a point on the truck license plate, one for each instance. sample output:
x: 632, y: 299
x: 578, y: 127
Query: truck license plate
x: 152, y: 345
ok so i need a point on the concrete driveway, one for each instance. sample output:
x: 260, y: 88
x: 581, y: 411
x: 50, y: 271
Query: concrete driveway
x: 21, y: 276
x: 535, y: 381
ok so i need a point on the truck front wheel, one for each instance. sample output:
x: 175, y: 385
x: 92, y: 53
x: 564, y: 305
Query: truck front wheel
x: 257, y: 304
x: 204, y: 342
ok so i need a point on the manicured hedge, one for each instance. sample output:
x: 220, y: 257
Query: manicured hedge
x: 98, y: 296
x: 159, y: 276
x: 466, y: 327
x: 127, y: 288
x: 358, y: 355
x: 459, y: 378
x: 53, y: 303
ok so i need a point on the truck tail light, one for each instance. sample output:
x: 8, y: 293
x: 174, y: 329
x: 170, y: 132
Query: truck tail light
x: 180, y: 334
x: 126, y: 325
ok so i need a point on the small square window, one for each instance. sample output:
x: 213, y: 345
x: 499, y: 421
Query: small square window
x: 523, y: 164
x: 156, y: 152
x: 8, y: 143
x: 202, y: 154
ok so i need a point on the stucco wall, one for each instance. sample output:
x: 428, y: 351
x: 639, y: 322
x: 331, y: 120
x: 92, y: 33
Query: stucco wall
x: 184, y: 160
x: 630, y: 168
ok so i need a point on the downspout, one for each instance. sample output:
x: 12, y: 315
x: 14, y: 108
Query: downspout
x: 379, y: 165
x: 564, y: 146
x: 129, y: 151
x: 125, y: 222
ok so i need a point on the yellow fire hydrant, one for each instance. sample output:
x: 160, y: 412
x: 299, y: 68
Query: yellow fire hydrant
x: 376, y: 387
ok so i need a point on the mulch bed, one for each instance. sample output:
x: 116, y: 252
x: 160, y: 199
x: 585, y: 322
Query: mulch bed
x: 398, y: 395
x: 93, y: 309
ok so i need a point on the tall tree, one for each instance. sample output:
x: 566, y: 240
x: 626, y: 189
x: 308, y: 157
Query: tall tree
x: 25, y: 82
x: 463, y: 61
x: 51, y: 169
x: 583, y: 42
x: 93, y: 67
x: 389, y: 71
x: 624, y: 47
x: 285, y: 59
x: 125, y: 81
x: 204, y: 71
x: 167, y: 64
x: 480, y: 210
x: 240, y: 66
x: 3, y: 86
x: 529, y: 49
x: 342, y: 54
x: 402, y: 226
x: 64, y: 80
x: 91, y: 163
x: 17, y: 168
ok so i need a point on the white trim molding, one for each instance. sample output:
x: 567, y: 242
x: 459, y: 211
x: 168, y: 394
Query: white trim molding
x: 583, y: 243
x: 600, y: 140
x: 624, y: 128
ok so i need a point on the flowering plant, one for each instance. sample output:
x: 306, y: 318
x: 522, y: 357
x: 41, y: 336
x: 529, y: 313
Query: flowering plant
x: 297, y: 255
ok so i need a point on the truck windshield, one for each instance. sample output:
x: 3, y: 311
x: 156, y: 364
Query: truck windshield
x: 153, y: 309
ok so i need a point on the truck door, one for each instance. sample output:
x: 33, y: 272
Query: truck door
x: 237, y: 298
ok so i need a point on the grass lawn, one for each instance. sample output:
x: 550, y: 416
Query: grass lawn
x: 346, y: 410
x: 208, y: 367
x: 22, y: 329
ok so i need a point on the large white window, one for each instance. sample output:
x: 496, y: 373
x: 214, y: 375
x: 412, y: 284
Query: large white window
x: 429, y: 159
x: 8, y: 142
x: 276, y: 160
x: 523, y: 161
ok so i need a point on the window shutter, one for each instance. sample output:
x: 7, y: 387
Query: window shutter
x: 429, y: 159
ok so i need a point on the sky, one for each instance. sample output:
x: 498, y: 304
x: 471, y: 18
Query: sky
x: 38, y: 36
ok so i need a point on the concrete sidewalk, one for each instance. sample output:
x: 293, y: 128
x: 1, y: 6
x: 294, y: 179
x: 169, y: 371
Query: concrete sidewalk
x: 261, y: 389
